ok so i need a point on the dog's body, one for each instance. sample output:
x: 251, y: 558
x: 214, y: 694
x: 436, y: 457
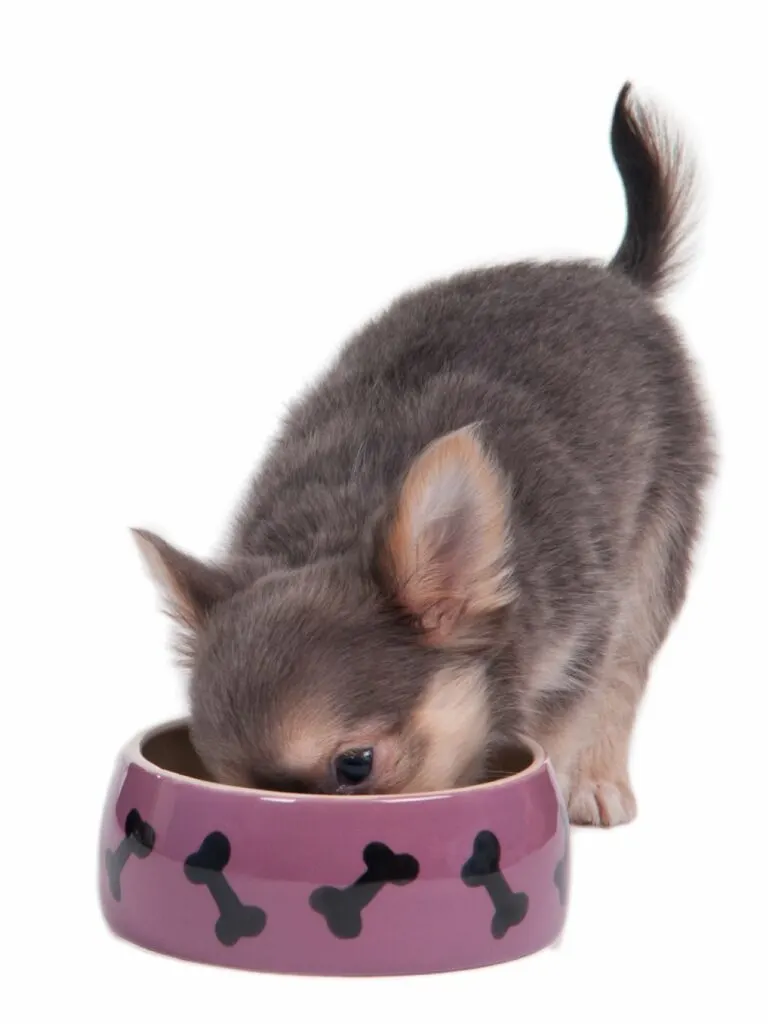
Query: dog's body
x: 478, y: 523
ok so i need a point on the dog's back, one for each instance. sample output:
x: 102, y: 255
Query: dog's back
x: 579, y: 380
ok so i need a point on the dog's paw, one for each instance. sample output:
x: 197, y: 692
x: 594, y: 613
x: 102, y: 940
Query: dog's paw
x: 601, y: 802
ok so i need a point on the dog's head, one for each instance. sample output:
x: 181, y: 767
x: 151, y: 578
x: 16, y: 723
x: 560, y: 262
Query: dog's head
x: 363, y: 673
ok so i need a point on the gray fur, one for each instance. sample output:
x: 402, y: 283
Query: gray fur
x: 585, y: 396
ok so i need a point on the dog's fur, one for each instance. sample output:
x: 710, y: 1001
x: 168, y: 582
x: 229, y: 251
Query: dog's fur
x: 478, y: 523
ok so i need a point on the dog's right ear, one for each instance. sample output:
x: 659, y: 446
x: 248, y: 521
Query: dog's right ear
x: 191, y: 588
x: 446, y: 549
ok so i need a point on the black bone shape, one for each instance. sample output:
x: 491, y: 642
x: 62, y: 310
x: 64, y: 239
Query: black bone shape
x: 343, y: 908
x: 482, y: 869
x: 206, y: 867
x: 561, y: 877
x: 139, y: 842
x: 562, y: 869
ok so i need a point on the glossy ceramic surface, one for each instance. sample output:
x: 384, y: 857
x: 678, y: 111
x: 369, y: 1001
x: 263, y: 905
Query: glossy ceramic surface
x: 330, y: 885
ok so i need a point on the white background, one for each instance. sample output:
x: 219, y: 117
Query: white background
x: 199, y: 202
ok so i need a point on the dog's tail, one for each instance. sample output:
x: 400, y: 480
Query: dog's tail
x: 658, y: 183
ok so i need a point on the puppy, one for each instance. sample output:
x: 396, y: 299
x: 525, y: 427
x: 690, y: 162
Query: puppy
x: 478, y: 523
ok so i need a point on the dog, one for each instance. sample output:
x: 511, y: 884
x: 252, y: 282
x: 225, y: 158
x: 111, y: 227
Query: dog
x: 479, y: 523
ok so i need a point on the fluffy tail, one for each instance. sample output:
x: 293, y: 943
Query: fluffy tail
x: 658, y: 184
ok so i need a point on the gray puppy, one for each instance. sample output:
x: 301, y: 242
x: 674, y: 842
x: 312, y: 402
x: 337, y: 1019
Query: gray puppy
x: 478, y: 523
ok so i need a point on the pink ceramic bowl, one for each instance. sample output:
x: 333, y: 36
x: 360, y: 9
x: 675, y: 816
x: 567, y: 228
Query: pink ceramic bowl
x: 328, y: 884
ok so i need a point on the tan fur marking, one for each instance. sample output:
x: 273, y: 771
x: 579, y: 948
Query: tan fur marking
x: 232, y: 776
x: 453, y: 481
x: 590, y: 754
x: 590, y: 749
x: 454, y: 719
x: 549, y: 672
x: 177, y: 599
x: 307, y: 739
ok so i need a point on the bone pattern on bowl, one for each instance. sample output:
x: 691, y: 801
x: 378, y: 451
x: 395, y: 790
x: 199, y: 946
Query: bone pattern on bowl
x: 139, y: 840
x: 483, y: 869
x: 341, y: 908
x: 330, y: 885
x: 563, y: 866
x: 206, y: 867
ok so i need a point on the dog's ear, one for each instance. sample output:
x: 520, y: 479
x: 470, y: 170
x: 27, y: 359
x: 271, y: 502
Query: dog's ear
x: 445, y: 549
x: 191, y: 588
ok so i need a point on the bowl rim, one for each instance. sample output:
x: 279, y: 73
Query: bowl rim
x: 133, y: 753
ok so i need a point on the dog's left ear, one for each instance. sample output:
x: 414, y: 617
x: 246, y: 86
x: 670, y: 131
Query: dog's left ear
x: 190, y: 587
x: 445, y: 552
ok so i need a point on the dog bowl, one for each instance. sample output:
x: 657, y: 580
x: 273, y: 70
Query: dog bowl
x: 333, y: 885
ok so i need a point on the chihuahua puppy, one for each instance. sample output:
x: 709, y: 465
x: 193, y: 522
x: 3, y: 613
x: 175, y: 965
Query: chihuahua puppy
x: 479, y: 523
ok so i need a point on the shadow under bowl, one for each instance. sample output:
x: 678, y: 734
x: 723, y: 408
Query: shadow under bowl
x: 310, y: 884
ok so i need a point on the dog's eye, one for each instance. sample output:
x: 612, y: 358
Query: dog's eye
x: 353, y: 767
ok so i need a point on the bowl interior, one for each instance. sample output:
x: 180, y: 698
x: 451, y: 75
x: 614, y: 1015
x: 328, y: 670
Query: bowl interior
x: 170, y: 749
